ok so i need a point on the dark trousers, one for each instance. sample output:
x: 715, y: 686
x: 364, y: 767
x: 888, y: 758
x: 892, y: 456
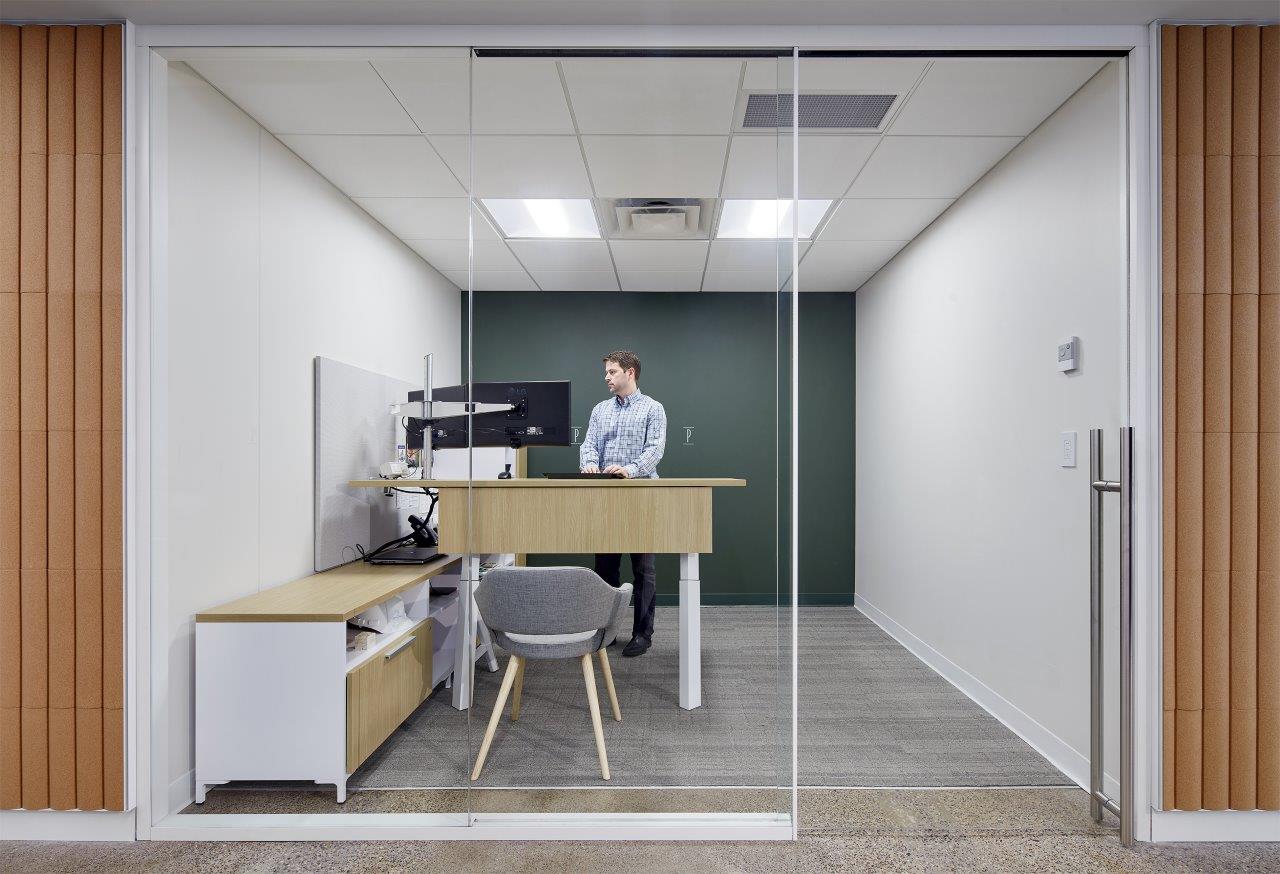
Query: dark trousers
x: 645, y: 596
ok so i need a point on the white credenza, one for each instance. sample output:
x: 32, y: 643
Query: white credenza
x: 278, y: 697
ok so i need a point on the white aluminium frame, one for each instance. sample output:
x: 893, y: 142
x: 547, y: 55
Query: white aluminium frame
x: 146, y: 305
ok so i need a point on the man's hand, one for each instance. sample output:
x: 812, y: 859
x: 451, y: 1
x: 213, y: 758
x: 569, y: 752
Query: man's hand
x: 590, y: 468
x: 617, y: 470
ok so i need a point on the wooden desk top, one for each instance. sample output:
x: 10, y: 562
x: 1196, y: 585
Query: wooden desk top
x: 538, y: 482
x: 332, y: 596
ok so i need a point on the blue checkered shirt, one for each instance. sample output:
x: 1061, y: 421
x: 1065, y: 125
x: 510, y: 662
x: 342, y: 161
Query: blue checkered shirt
x: 630, y: 431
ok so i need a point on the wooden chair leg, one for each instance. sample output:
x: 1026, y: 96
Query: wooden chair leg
x: 608, y: 684
x: 515, y: 693
x: 508, y: 679
x: 589, y: 674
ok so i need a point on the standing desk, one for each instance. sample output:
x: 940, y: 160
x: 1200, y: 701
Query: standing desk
x: 579, y: 516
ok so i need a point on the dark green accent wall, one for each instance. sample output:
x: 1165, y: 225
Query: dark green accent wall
x: 712, y: 360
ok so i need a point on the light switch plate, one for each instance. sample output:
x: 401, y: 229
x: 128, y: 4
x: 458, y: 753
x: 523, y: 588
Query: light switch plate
x: 1067, y: 449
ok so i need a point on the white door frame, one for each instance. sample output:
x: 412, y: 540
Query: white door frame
x: 146, y: 304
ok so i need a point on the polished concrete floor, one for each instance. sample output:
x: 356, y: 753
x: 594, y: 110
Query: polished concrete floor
x: 998, y: 829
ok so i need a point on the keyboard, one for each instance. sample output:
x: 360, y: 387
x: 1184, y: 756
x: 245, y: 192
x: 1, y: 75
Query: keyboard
x: 579, y: 475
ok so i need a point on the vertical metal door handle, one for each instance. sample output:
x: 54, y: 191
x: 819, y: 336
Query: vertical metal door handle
x: 1098, y: 799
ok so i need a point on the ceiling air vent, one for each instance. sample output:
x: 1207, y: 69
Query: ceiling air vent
x: 658, y: 217
x: 832, y: 111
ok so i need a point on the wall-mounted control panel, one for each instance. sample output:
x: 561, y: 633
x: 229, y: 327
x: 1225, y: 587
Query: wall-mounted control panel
x: 1068, y: 354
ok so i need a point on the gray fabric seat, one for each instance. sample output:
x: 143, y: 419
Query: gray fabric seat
x: 544, y: 613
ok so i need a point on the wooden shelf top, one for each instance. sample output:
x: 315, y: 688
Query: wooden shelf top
x: 332, y: 596
x: 538, y: 482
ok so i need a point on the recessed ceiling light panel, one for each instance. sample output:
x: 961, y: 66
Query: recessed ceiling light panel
x: 544, y: 218
x: 768, y: 219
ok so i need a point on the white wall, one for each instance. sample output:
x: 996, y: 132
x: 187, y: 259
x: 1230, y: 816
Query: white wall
x: 269, y: 266
x: 971, y: 541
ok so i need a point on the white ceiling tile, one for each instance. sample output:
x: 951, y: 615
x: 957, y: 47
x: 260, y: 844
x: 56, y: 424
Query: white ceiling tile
x: 519, y: 166
x: 511, y: 95
x: 659, y: 254
x: 848, y: 75
x: 766, y: 257
x: 991, y: 96
x: 492, y: 280
x: 447, y: 255
x: 740, y: 280
x: 929, y: 166
x: 847, y: 257
x: 827, y: 165
x: 434, y: 218
x: 883, y: 218
x: 309, y: 95
x: 661, y: 280
x: 833, y: 280
x: 576, y: 280
x: 563, y: 254
x: 656, y: 166
x: 652, y: 95
x: 377, y: 166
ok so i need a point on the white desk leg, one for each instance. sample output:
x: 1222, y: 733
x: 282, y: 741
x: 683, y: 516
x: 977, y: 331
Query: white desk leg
x: 690, y: 632
x: 465, y: 646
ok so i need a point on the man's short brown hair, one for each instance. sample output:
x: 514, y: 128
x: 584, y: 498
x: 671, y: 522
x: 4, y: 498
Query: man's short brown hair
x: 624, y: 359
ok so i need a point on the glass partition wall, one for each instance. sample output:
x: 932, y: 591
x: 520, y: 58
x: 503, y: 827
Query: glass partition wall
x: 386, y: 280
x: 631, y: 219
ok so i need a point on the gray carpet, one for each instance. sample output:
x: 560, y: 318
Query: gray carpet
x: 871, y: 714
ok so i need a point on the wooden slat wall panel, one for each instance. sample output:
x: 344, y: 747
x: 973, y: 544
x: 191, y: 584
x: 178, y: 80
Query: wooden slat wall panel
x: 61, y: 405
x: 1220, y: 135
x: 10, y: 452
x: 1269, y: 422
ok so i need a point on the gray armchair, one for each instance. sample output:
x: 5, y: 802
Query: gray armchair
x: 550, y: 613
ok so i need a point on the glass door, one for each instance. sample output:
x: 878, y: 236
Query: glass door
x: 630, y: 242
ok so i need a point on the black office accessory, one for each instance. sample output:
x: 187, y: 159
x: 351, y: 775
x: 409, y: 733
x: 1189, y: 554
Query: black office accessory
x: 539, y: 416
x: 406, y: 555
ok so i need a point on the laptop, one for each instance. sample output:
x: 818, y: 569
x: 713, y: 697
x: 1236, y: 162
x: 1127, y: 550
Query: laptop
x: 406, y: 555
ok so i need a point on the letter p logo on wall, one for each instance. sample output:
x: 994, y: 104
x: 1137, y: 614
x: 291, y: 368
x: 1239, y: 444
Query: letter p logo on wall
x: 688, y: 435
x: 577, y: 436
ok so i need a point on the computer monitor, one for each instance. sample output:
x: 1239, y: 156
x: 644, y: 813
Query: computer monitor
x: 540, y: 416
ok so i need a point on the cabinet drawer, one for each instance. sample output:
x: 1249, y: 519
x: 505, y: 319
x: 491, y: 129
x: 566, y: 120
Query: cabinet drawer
x: 384, y: 690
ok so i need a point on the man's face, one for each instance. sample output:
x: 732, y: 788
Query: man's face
x: 618, y: 380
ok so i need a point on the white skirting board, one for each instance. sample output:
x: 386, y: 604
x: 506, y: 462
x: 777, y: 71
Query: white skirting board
x: 1060, y: 754
x: 1215, y: 825
x: 67, y: 825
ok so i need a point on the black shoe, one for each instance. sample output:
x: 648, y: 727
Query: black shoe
x: 637, y: 646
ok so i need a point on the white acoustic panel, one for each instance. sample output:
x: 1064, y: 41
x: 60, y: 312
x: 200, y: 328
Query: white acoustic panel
x: 506, y: 95
x: 652, y: 95
x: 575, y: 280
x: 832, y: 280
x: 420, y: 218
x: 659, y: 254
x: 449, y: 255
x: 309, y: 95
x: 492, y: 280
x: 929, y: 166
x: 740, y: 280
x: 354, y: 433
x: 760, y: 165
x: 656, y: 166
x: 661, y: 280
x: 883, y: 218
x: 839, y: 75
x: 377, y: 166
x: 847, y: 257
x: 991, y: 96
x: 563, y: 254
x: 518, y: 166
x: 765, y: 256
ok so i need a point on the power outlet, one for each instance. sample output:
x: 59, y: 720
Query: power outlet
x: 1067, y: 449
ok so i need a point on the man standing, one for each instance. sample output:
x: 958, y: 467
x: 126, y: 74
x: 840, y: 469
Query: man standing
x: 626, y: 437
